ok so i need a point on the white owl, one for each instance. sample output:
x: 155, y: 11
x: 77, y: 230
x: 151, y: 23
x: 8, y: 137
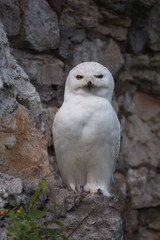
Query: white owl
x: 86, y: 130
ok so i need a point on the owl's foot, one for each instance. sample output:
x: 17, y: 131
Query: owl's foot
x: 90, y: 188
x: 94, y: 189
x: 77, y: 188
x: 104, y: 192
x: 86, y: 188
x: 100, y: 191
x: 81, y: 188
x: 72, y: 187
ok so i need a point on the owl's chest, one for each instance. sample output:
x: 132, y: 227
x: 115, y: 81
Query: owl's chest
x: 87, y: 120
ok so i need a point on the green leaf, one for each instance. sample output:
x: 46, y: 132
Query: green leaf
x: 33, y: 198
x: 58, y: 206
x: 64, y: 237
x: 33, y: 224
x: 32, y: 236
x: 42, y: 185
x: 11, y: 213
x: 50, y: 231
x: 10, y: 234
x: 36, y: 214
x: 60, y: 224
x: 12, y: 229
x: 22, y: 223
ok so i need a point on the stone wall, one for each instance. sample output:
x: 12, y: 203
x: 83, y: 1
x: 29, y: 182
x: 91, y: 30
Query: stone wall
x: 48, y: 38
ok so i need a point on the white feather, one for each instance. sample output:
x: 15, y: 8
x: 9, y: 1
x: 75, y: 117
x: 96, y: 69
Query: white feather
x: 86, y: 130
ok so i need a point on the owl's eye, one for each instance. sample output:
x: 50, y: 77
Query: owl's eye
x: 99, y: 76
x: 79, y: 77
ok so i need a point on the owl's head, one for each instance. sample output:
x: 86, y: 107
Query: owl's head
x: 90, y: 78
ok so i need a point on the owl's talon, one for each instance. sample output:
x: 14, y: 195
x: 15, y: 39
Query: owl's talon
x: 100, y: 192
x: 81, y: 188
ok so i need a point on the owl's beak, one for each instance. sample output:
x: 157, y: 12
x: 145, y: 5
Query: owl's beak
x: 89, y: 85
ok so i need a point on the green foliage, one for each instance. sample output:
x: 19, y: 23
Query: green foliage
x: 42, y: 185
x: 23, y: 220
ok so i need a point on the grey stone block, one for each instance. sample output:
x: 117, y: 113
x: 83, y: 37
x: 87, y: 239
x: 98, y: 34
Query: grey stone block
x: 40, y: 30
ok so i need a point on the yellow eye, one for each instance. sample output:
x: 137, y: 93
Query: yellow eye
x: 79, y: 77
x: 99, y: 76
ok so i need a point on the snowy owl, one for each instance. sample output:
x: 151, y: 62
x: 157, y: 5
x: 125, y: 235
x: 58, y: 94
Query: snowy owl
x: 86, y: 130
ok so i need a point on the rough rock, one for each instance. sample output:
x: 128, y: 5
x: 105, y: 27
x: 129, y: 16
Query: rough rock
x: 80, y: 6
x: 40, y: 29
x: 119, y: 185
x: 142, y: 69
x: 139, y: 12
x: 144, y: 187
x: 44, y: 71
x: 87, y: 51
x: 150, y: 217
x: 57, y: 5
x: 89, y: 215
x: 113, y: 25
x: 152, y: 29
x: 23, y: 145
x: 26, y: 156
x: 50, y: 113
x: 118, y: 33
x: 146, y: 234
x: 48, y: 94
x: 10, y: 190
x: 137, y: 38
x: 114, y: 18
x: 131, y: 223
x: 113, y: 58
x: 86, y: 15
x: 40, y: 68
x: 52, y: 73
x: 10, y: 17
x: 139, y: 140
x: 78, y: 18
